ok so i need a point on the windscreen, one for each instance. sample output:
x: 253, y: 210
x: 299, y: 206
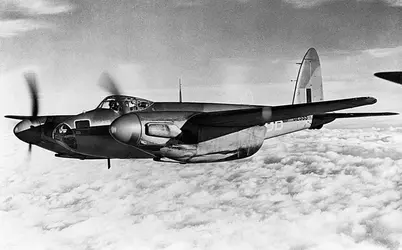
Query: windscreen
x: 130, y: 103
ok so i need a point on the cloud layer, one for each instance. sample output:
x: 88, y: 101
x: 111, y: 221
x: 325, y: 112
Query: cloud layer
x: 9, y: 28
x: 19, y: 16
x: 326, y: 189
x: 314, y: 3
x: 35, y: 7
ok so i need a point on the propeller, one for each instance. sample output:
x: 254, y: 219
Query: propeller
x: 31, y: 79
x: 107, y: 82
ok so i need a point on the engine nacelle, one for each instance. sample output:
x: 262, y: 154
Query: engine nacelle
x: 231, y: 145
x: 138, y: 129
x: 127, y: 129
x: 168, y: 135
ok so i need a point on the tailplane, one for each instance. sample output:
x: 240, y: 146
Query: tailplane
x: 320, y: 119
x: 308, y: 86
x: 392, y: 76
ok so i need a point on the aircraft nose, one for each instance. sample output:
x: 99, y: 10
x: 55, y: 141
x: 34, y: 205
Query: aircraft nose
x: 126, y: 129
x: 27, y: 132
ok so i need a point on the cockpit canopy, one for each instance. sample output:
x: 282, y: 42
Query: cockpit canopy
x: 130, y: 103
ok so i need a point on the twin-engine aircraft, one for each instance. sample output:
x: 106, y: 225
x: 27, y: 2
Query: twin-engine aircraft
x: 186, y: 132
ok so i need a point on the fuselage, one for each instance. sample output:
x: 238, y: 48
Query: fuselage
x: 95, y: 140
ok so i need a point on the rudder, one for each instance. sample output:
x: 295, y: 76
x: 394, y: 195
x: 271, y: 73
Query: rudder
x: 308, y: 86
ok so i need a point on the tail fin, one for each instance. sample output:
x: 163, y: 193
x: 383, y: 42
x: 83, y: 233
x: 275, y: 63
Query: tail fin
x: 308, y: 86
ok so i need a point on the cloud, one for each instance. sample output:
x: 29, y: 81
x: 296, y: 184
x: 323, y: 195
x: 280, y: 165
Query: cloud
x: 306, y: 4
x: 396, y: 3
x: 35, y: 7
x: 189, y: 3
x: 314, y: 3
x: 325, y: 189
x: 384, y: 52
x: 19, y: 16
x: 195, y: 3
x: 10, y: 28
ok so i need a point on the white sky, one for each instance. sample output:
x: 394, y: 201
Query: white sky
x: 225, y: 51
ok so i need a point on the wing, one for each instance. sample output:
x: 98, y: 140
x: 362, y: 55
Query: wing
x: 19, y: 117
x: 260, y: 115
x: 24, y: 117
x: 393, y: 76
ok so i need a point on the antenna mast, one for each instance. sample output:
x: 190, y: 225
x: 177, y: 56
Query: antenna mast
x: 180, y: 97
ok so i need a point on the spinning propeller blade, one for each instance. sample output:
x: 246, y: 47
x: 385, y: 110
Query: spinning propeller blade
x: 30, y: 77
x: 109, y: 84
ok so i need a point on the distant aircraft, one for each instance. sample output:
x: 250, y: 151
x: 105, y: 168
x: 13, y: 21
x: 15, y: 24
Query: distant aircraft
x: 393, y: 76
x: 187, y: 132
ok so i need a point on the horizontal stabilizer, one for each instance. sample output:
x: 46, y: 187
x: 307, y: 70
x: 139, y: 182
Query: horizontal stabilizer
x: 393, y: 76
x: 353, y: 115
x: 292, y: 111
x: 260, y: 115
x: 320, y: 119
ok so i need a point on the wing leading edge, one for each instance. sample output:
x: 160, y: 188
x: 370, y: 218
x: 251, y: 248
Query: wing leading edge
x: 261, y: 115
x: 19, y: 117
x: 28, y: 117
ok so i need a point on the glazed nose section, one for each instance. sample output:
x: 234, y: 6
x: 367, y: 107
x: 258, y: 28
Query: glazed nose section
x: 27, y: 132
x: 126, y: 129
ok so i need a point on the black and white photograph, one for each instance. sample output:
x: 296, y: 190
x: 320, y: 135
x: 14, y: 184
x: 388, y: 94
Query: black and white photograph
x: 201, y: 124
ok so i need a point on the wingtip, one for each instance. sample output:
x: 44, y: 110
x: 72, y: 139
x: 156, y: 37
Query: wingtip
x: 382, y: 75
x: 387, y: 113
x: 18, y: 117
x: 371, y: 100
